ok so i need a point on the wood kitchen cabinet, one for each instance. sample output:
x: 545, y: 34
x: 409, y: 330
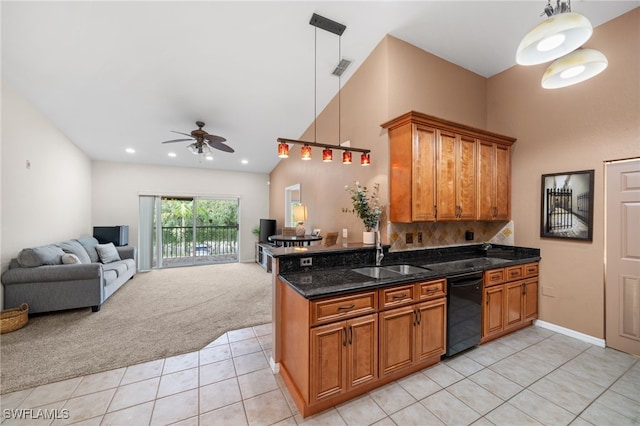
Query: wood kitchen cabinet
x: 456, y: 177
x: 494, y: 189
x: 343, y: 356
x: 510, y: 299
x: 441, y: 170
x: 414, y: 333
x: 334, y: 348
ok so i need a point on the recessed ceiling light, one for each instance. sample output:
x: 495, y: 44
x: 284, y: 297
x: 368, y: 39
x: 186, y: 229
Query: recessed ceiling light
x: 245, y: 161
x: 209, y: 157
x: 130, y: 150
x: 172, y: 154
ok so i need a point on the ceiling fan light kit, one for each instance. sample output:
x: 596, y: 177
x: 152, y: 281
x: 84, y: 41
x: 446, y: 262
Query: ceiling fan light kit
x: 327, y: 154
x: 202, y: 142
x: 558, y: 37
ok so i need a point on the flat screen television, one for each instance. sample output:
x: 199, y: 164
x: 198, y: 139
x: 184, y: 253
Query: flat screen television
x: 118, y: 235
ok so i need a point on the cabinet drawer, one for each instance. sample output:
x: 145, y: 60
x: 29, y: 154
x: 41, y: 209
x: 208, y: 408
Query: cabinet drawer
x: 397, y: 296
x: 493, y: 277
x: 432, y: 289
x: 531, y: 270
x: 343, y: 307
x: 514, y: 272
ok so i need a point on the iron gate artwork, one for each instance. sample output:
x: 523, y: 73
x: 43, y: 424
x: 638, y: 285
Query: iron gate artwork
x: 567, y: 203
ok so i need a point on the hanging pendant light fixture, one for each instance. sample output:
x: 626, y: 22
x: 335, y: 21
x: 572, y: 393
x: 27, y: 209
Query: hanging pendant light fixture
x: 577, y: 66
x: 305, y: 152
x: 327, y: 155
x: 283, y: 150
x: 558, y: 37
x: 553, y: 38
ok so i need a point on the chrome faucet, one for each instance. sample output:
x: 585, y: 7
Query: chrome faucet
x: 486, y: 247
x: 379, y: 252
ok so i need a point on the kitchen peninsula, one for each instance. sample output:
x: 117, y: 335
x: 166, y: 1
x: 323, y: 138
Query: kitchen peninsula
x: 344, y: 326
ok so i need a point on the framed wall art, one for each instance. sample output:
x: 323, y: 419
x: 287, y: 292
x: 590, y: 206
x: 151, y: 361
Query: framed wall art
x: 567, y: 205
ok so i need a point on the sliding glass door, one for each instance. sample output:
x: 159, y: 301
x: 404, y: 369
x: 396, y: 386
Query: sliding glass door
x: 181, y: 231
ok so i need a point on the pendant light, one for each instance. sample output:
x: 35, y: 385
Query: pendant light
x: 553, y: 38
x: 573, y: 68
x: 306, y: 151
x: 558, y: 37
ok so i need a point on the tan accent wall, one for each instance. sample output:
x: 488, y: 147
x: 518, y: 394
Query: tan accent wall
x: 574, y: 128
x: 382, y: 88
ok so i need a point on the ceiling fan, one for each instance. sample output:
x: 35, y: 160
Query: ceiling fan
x: 203, y: 141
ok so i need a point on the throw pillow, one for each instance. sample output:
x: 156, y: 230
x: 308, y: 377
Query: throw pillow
x: 43, y: 255
x: 70, y: 259
x: 107, y: 253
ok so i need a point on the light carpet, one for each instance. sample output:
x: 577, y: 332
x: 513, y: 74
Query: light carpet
x: 156, y: 314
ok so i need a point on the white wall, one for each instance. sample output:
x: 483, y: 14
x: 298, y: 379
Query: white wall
x: 117, y: 186
x: 51, y: 200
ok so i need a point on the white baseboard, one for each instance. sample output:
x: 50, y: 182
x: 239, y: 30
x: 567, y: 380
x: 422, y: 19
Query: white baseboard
x: 571, y: 333
x: 275, y: 366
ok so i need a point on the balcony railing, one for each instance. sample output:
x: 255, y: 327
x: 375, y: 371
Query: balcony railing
x: 178, y: 241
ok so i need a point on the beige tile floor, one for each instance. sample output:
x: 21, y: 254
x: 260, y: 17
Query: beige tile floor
x: 533, y: 376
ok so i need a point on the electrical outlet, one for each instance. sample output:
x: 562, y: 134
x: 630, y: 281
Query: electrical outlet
x: 409, y: 237
x: 419, y: 237
x: 548, y: 291
x: 305, y: 261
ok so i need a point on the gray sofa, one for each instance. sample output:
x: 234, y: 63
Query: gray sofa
x: 71, y: 274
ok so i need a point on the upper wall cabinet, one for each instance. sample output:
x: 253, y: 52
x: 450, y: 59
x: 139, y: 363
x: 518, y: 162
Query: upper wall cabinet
x: 445, y: 171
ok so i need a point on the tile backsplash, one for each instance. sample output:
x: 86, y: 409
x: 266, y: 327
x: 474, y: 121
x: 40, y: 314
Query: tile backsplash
x: 418, y: 235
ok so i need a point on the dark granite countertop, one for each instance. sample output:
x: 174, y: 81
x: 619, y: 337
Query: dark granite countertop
x: 436, y: 263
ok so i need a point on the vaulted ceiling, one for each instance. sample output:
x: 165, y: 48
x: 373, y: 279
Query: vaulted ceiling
x: 117, y: 75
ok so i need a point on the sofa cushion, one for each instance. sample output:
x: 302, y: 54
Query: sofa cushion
x: 107, y: 253
x: 43, y: 255
x: 70, y: 259
x: 119, y: 267
x: 74, y: 247
x: 89, y: 244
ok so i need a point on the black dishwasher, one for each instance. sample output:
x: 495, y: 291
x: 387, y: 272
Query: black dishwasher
x: 464, y: 311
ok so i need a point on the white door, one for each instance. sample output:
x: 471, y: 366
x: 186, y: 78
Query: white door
x: 622, y: 271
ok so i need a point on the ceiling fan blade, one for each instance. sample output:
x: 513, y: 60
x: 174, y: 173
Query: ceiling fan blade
x: 214, y: 138
x: 186, y: 134
x: 177, y: 140
x: 221, y: 146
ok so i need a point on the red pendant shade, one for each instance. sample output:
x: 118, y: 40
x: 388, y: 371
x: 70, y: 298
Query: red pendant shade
x: 283, y: 150
x: 346, y: 157
x: 305, y: 152
x: 327, y: 155
x: 365, y: 159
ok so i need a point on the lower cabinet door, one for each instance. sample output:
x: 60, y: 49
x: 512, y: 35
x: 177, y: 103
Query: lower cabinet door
x: 513, y: 303
x: 430, y: 335
x: 530, y: 302
x: 344, y: 355
x: 493, y: 313
x: 397, y: 339
x: 328, y: 363
x: 362, y: 350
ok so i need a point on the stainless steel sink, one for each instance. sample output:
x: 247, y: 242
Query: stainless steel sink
x: 376, y: 272
x: 406, y: 269
x: 389, y: 271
